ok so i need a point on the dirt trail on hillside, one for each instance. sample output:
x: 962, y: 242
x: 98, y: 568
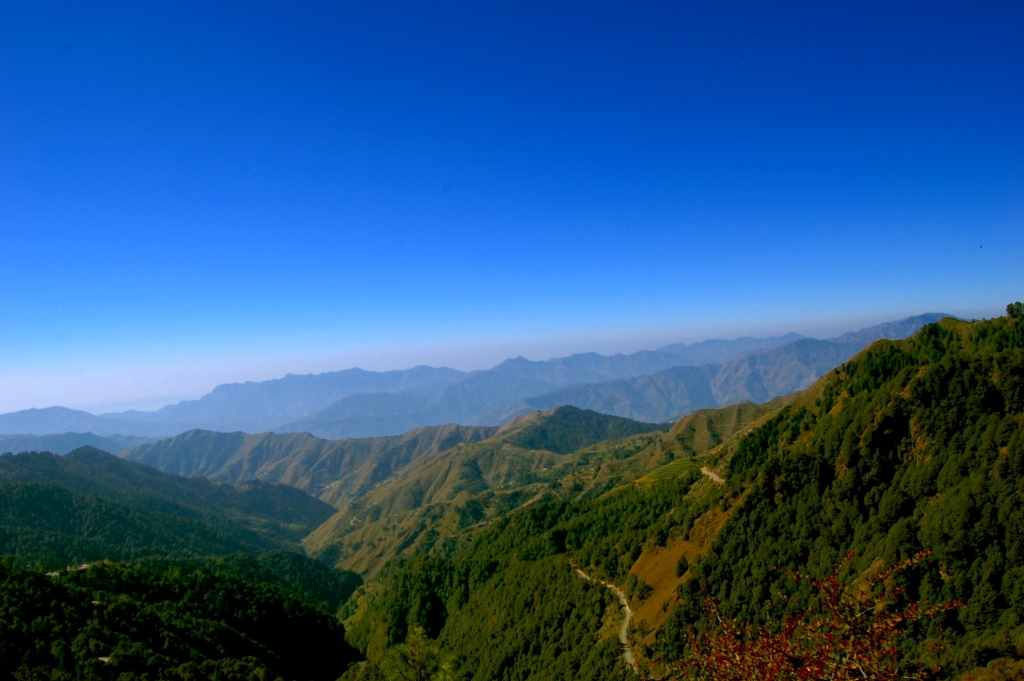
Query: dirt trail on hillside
x: 712, y: 475
x: 627, y: 652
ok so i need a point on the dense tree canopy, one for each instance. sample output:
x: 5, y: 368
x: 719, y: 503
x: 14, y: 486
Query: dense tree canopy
x: 124, y: 622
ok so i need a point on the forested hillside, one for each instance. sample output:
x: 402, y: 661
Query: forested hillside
x: 260, y: 513
x: 209, y: 593
x: 50, y: 526
x: 106, y: 621
x: 436, y: 504
x: 913, y: 448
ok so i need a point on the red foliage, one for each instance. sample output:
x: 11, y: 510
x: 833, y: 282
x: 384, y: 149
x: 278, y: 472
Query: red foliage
x: 843, y: 636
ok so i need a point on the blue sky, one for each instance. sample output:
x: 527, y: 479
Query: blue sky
x: 194, y: 193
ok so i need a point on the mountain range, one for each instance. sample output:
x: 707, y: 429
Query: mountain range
x: 651, y: 385
x: 488, y: 547
x: 338, y: 471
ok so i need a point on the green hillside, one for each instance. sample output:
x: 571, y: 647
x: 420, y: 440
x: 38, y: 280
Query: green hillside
x: 90, y: 506
x: 433, y: 502
x: 307, y: 578
x: 564, y: 430
x: 485, y: 552
x: 109, y: 621
x: 50, y: 526
x: 915, y: 445
x: 255, y: 513
x: 436, y: 504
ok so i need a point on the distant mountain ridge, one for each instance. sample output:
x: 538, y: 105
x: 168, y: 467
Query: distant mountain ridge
x: 668, y: 395
x: 358, y: 403
x: 62, y: 443
x: 258, y: 406
x: 516, y: 386
x: 348, y: 467
x: 57, y: 420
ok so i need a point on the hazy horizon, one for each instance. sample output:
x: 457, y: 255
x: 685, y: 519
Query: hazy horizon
x: 464, y: 358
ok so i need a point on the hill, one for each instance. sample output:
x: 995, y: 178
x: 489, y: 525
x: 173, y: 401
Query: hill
x: 334, y: 470
x: 51, y: 526
x: 258, y: 406
x: 912, y: 446
x: 892, y: 330
x: 433, y: 502
x: 53, y: 420
x: 718, y: 351
x: 255, y: 514
x: 110, y: 621
x: 436, y: 504
x: 90, y: 506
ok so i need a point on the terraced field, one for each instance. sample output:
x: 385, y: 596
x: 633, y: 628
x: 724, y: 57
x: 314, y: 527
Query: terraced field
x: 669, y: 470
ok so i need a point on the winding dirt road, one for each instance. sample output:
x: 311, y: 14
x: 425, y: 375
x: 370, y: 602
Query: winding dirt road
x: 627, y: 652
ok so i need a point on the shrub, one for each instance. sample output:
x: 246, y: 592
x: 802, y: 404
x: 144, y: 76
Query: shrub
x: 842, y: 637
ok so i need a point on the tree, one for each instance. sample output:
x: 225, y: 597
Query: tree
x: 416, y: 659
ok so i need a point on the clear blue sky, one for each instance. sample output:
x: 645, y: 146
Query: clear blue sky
x: 192, y: 193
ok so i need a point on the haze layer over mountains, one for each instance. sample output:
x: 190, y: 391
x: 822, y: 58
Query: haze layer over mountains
x: 653, y: 386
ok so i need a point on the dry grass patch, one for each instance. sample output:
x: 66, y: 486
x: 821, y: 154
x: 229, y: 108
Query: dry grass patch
x: 657, y: 568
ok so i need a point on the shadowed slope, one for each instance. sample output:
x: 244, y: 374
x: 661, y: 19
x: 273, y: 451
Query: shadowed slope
x: 258, y: 513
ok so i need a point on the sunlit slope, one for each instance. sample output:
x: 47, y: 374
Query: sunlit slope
x: 334, y: 470
x: 912, y: 446
x: 433, y: 504
x: 916, y: 444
